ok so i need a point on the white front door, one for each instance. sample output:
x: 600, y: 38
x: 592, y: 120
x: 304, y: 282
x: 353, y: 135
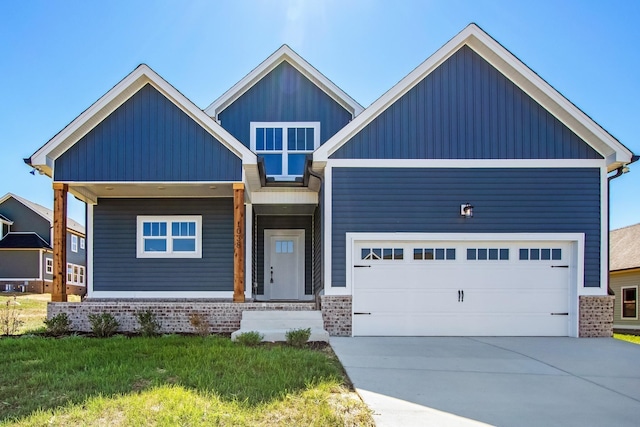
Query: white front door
x: 284, y: 264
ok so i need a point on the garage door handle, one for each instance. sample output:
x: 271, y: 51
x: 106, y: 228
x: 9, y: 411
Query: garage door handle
x: 460, y: 296
x: 361, y: 266
x: 559, y: 314
x: 361, y: 313
x: 559, y: 266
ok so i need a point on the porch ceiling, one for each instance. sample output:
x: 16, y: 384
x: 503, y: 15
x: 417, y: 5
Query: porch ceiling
x: 90, y: 192
x: 284, y: 209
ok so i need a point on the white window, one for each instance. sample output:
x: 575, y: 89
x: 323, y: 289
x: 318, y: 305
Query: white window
x: 74, y: 243
x: 82, y: 243
x: 49, y: 265
x: 75, y: 274
x: 284, y: 146
x: 630, y: 302
x: 177, y: 236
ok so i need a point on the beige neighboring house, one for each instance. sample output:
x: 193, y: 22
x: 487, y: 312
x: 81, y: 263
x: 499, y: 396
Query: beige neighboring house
x: 624, y: 273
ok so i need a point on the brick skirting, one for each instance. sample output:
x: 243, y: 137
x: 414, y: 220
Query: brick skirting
x: 173, y: 316
x: 596, y: 316
x: 336, y: 312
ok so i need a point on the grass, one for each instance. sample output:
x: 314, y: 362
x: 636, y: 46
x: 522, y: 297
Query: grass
x: 166, y: 381
x: 32, y: 308
x: 171, y: 380
x: 630, y: 338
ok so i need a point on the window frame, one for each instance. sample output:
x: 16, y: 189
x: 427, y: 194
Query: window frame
x: 169, y: 253
x: 285, y: 146
x: 82, y: 243
x: 622, y: 303
x: 74, y: 243
x: 48, y: 265
x: 76, y: 274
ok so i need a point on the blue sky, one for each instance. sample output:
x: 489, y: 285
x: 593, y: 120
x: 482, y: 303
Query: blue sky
x: 58, y: 57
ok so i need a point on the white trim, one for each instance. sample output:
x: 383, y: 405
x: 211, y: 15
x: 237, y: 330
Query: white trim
x: 284, y: 53
x: 604, y: 228
x: 45, y: 156
x: 328, y: 227
x: 168, y: 219
x: 614, y: 152
x: 466, y: 163
x: 163, y: 294
x: 9, y: 279
x: 622, y: 288
x: 82, y: 243
x: 629, y: 327
x: 82, y: 272
x: 73, y: 226
x: 74, y: 243
x: 46, y: 266
x: 300, y: 250
x: 248, y: 251
x: 303, y: 196
x: 89, y: 275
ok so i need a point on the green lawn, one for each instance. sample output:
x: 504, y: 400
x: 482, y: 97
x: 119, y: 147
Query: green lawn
x: 171, y: 380
x: 32, y: 308
x: 631, y: 338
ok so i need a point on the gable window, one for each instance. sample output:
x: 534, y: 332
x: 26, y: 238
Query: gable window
x: 284, y: 146
x: 82, y: 243
x: 630, y: 303
x: 178, y: 236
x: 74, y: 243
x: 49, y: 265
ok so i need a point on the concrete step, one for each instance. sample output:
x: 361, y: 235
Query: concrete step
x: 274, y: 324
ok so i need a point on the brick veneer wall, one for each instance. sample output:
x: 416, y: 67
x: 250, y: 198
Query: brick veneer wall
x: 173, y: 316
x: 336, y: 312
x: 596, y: 316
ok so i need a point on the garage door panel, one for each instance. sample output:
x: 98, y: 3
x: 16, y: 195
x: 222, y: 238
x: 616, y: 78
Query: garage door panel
x: 467, y: 294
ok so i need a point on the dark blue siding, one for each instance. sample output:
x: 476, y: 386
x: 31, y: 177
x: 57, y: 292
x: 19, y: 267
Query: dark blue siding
x: 466, y: 109
x: 78, y: 258
x: 284, y: 222
x: 284, y: 95
x: 505, y: 201
x: 25, y: 220
x: 148, y: 138
x: 116, y: 267
x: 19, y: 264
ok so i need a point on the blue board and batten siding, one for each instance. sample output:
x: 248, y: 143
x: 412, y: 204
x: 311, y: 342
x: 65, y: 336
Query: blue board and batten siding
x: 283, y: 95
x: 148, y: 138
x: 505, y: 200
x: 116, y: 268
x: 466, y: 109
x: 25, y: 219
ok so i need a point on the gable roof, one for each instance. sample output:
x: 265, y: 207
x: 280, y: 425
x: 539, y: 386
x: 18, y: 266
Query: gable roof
x: 46, y: 213
x: 624, y: 248
x: 612, y: 150
x: 44, y: 158
x: 284, y: 53
x: 23, y: 240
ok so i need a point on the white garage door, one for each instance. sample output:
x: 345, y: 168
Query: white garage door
x: 461, y: 288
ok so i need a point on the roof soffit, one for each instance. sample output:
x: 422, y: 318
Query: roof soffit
x: 284, y: 53
x: 504, y: 61
x: 43, y: 158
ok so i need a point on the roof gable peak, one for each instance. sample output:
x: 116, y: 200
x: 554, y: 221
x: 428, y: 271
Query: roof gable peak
x: 284, y: 54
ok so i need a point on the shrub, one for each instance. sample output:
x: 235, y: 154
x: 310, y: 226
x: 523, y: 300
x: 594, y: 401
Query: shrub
x: 200, y: 324
x: 58, y: 324
x: 10, y: 318
x: 149, y: 325
x: 249, y: 339
x: 298, y: 337
x: 103, y: 325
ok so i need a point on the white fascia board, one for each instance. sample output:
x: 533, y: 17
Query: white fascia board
x: 465, y: 163
x: 284, y: 53
x: 505, y: 62
x: 114, y: 98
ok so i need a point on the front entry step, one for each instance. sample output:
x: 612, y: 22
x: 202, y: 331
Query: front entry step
x: 274, y: 324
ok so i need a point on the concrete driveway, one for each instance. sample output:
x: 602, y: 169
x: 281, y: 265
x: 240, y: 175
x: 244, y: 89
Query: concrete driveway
x: 443, y: 381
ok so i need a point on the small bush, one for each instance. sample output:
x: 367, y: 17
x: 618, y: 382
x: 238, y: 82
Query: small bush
x: 249, y: 339
x: 58, y: 324
x: 200, y: 324
x: 103, y: 325
x: 10, y: 318
x: 298, y: 337
x: 149, y: 325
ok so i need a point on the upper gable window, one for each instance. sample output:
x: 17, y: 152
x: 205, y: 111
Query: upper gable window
x: 284, y: 146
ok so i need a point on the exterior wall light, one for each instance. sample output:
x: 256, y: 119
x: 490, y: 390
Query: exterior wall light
x: 466, y: 210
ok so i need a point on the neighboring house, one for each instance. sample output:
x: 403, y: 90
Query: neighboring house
x: 624, y: 276
x: 469, y: 199
x: 26, y: 253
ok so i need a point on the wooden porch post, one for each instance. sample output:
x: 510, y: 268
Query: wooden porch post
x: 59, y: 293
x: 238, y: 242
